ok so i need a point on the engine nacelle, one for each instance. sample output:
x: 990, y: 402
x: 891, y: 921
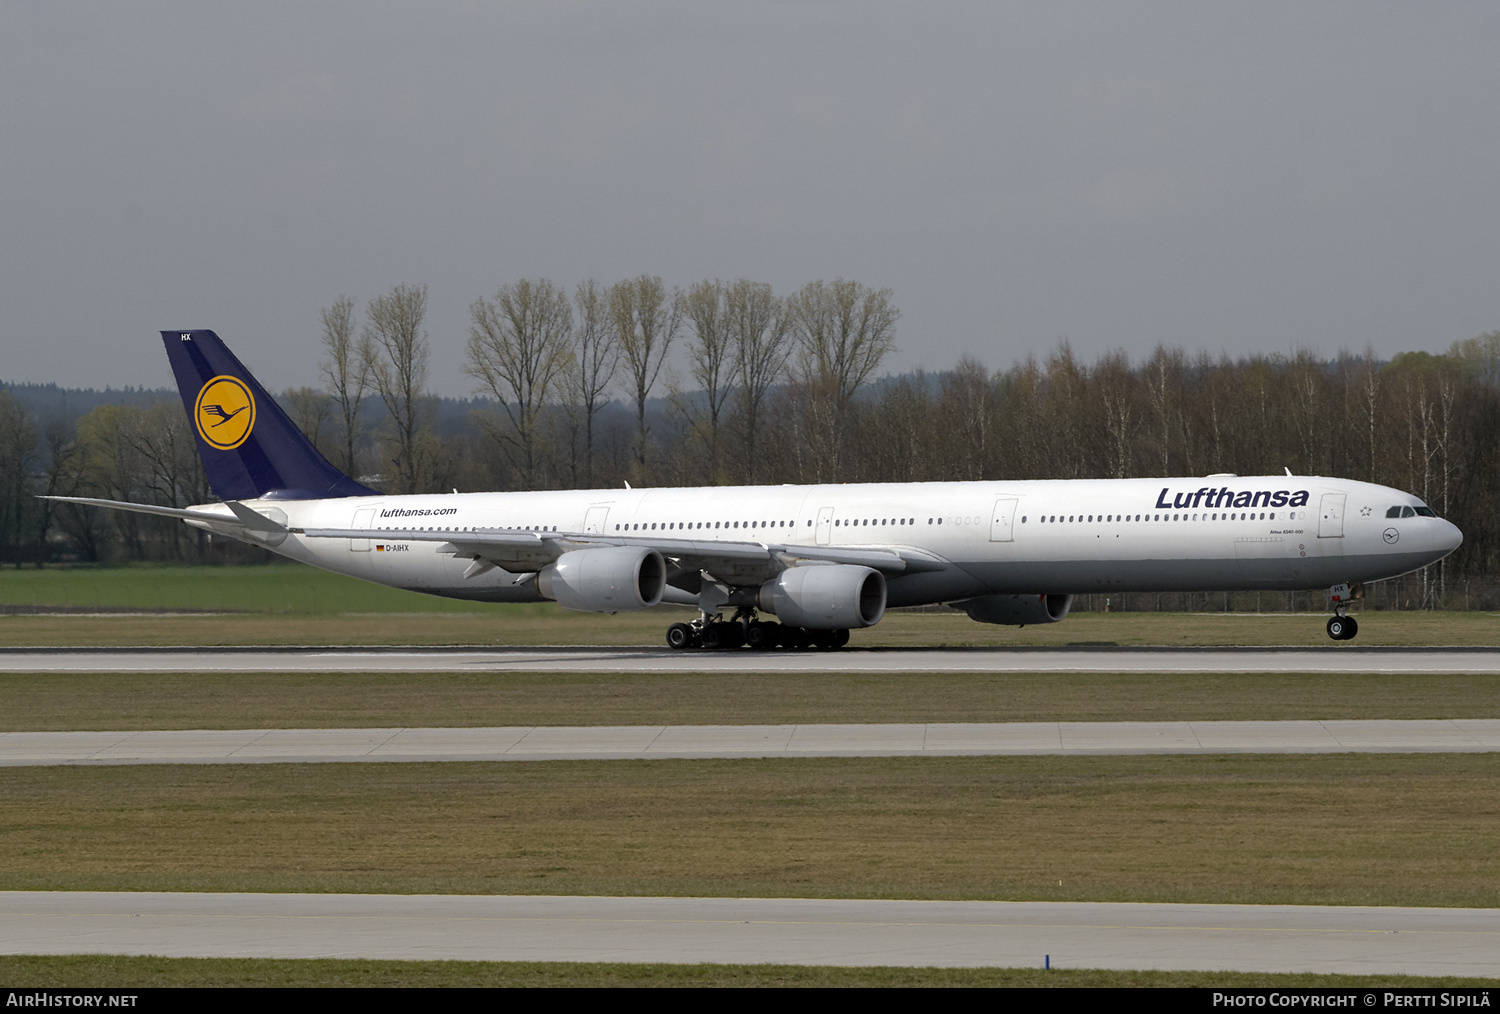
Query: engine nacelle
x: 605, y: 580
x: 1017, y: 610
x: 825, y: 597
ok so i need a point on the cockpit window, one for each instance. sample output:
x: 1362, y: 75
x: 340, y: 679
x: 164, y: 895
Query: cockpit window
x: 1425, y: 512
x: 1393, y: 512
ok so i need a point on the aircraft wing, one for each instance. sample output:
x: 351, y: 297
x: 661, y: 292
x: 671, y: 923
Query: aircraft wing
x: 521, y: 550
x: 518, y: 550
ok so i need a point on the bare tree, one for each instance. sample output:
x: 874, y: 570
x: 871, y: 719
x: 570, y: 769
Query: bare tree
x: 1163, y: 376
x: 396, y: 356
x: 1310, y: 414
x: 711, y: 357
x: 1369, y: 391
x: 591, y: 369
x: 966, y: 409
x: 19, y: 449
x: 646, y: 321
x: 1116, y: 391
x: 1067, y: 408
x: 761, y: 329
x: 310, y: 409
x: 518, y: 349
x: 845, y: 331
x: 60, y: 479
x: 346, y: 371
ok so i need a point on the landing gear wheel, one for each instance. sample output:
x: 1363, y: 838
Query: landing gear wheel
x: 734, y: 635
x: 713, y: 636
x: 825, y: 639
x: 1353, y: 628
x: 795, y: 638
x: 1341, y: 628
x: 760, y: 636
x: 679, y: 636
x: 840, y: 638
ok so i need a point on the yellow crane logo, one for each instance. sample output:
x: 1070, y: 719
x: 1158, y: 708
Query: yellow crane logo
x: 225, y: 413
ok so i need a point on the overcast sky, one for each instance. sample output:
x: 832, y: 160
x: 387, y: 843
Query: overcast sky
x: 1227, y: 177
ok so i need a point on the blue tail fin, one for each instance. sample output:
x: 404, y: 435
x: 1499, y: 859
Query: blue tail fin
x: 249, y: 446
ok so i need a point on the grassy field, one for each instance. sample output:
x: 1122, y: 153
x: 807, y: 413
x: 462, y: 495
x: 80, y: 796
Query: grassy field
x: 124, y: 972
x: 75, y: 701
x: 1373, y: 829
x: 286, y: 604
x: 1334, y: 829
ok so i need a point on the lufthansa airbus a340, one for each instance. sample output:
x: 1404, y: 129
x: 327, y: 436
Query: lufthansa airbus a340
x: 821, y: 559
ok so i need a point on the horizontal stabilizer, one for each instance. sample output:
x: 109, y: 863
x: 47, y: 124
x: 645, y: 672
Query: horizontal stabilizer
x: 147, y: 508
x: 253, y: 520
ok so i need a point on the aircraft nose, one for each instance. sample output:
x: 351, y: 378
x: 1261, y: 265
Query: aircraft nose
x: 1448, y: 537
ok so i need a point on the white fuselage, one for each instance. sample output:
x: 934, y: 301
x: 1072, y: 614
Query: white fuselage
x: 979, y: 538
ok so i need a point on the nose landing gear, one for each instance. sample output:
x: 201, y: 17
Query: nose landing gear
x: 1340, y: 626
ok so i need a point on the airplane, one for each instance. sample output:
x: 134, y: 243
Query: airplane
x: 822, y: 559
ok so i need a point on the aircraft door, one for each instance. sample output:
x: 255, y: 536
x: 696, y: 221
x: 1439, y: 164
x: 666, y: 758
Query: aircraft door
x: 1003, y: 521
x: 362, y: 519
x: 825, y: 525
x: 593, y: 522
x: 1331, y: 516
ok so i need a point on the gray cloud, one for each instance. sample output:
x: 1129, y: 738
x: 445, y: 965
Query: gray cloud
x: 1225, y: 177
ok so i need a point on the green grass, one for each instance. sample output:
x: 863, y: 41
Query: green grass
x: 128, y: 972
x: 290, y: 604
x: 545, y: 623
x: 273, y: 588
x: 77, y: 701
x: 1369, y: 829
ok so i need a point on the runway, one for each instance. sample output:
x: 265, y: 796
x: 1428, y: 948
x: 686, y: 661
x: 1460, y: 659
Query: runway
x: 656, y: 742
x: 1080, y: 659
x: 1252, y: 938
x: 795, y: 931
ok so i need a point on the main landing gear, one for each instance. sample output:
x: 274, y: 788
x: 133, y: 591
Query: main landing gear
x: 1341, y: 627
x: 711, y: 633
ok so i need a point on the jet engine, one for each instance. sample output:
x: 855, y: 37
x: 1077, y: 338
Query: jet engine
x: 605, y: 580
x: 1017, y: 610
x: 825, y: 597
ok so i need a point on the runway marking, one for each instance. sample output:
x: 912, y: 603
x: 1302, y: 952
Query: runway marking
x: 753, y: 930
x: 700, y: 742
x: 887, y: 923
x: 618, y: 660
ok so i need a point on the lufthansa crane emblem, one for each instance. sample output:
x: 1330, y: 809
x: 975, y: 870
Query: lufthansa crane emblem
x: 225, y: 412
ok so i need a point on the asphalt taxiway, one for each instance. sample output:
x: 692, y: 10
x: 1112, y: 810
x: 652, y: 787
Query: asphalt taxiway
x: 1077, y: 659
x: 1252, y: 938
x: 647, y: 742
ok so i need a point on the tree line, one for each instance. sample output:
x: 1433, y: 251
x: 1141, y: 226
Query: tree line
x: 731, y: 383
